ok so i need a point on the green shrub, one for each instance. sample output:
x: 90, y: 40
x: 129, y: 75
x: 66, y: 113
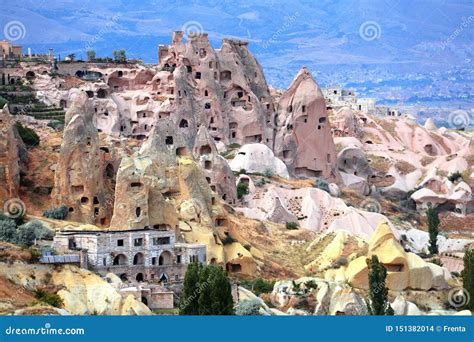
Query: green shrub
x: 341, y: 261
x: 292, y: 225
x: 55, y: 124
x: 260, y: 286
x: 29, y: 136
x: 7, y: 230
x: 242, y: 190
x: 40, y: 231
x: 268, y: 173
x: 3, y: 102
x: 25, y: 235
x: 49, y: 298
x: 18, y: 220
x: 228, y: 240
x: 233, y: 145
x: 311, y: 284
x: 260, y: 182
x: 250, y: 307
x: 455, y: 176
x: 321, y: 184
x: 56, y: 213
x: 242, y: 172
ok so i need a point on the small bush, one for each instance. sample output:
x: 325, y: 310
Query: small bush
x: 260, y: 182
x: 437, y: 261
x: 268, y: 173
x: 242, y: 190
x: 233, y: 145
x: 455, y: 176
x: 321, y: 184
x: 7, y: 230
x: 341, y: 261
x: 55, y: 124
x: 25, y: 235
x: 228, y: 240
x: 249, y: 308
x: 18, y: 220
x: 260, y: 286
x: 292, y: 225
x: 311, y: 284
x: 3, y: 102
x: 40, y: 231
x: 29, y: 136
x: 49, y: 298
x: 56, y: 213
x: 242, y: 172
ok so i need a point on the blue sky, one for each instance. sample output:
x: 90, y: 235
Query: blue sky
x: 348, y: 42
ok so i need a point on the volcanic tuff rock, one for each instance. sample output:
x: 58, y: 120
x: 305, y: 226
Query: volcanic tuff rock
x: 79, y: 177
x: 82, y: 291
x: 355, y: 169
x: 404, y: 270
x: 303, y: 140
x: 312, y: 208
x: 182, y: 178
x: 139, y: 202
x: 258, y: 158
x: 218, y: 172
x: 9, y: 157
x: 224, y: 90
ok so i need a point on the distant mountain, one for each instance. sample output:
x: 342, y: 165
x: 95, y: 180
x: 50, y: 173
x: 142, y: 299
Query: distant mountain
x: 399, y: 52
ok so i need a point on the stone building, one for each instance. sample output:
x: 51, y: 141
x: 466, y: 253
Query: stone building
x: 136, y: 255
x: 9, y: 51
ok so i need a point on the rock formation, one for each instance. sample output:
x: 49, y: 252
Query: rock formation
x: 354, y: 169
x: 218, y: 172
x: 258, y: 158
x: 404, y: 270
x: 82, y: 291
x: 182, y: 179
x: 9, y: 157
x: 312, y: 208
x: 139, y: 203
x: 224, y: 89
x: 303, y: 140
x: 79, y: 177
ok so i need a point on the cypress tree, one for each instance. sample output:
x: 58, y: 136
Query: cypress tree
x: 433, y: 224
x: 205, y: 300
x: 378, y: 303
x: 207, y: 291
x: 221, y: 293
x: 189, y: 301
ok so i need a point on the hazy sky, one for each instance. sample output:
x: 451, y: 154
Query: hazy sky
x: 408, y: 36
